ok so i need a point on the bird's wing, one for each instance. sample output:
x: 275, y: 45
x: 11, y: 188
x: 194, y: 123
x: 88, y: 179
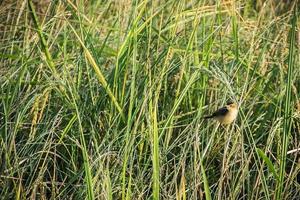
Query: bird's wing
x: 221, y: 112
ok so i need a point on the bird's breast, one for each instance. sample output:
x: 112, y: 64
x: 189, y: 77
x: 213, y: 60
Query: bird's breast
x: 229, y: 117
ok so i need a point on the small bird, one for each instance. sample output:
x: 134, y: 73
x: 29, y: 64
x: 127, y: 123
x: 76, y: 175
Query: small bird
x: 226, y: 114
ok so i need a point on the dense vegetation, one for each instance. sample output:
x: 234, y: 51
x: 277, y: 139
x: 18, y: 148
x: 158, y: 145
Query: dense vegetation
x: 105, y: 99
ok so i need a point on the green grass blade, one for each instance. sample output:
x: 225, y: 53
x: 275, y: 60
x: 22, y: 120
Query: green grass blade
x: 268, y: 162
x: 288, y: 105
x: 42, y: 38
x: 99, y: 74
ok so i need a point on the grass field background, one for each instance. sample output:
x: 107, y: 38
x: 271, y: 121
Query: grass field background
x: 105, y: 99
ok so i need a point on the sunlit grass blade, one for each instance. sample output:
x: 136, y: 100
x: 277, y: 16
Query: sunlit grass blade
x: 99, y: 74
x: 155, y: 152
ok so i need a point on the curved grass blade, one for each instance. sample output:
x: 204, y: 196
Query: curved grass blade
x: 268, y: 162
x: 99, y: 74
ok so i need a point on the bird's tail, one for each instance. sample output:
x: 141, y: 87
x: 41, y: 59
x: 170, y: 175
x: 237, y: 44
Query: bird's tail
x: 208, y: 117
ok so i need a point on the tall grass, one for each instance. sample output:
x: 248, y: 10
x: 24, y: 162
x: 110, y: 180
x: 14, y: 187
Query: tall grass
x: 105, y: 99
x: 287, y: 123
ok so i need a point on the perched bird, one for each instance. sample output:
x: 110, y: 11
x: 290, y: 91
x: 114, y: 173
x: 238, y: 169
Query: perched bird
x: 226, y: 114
